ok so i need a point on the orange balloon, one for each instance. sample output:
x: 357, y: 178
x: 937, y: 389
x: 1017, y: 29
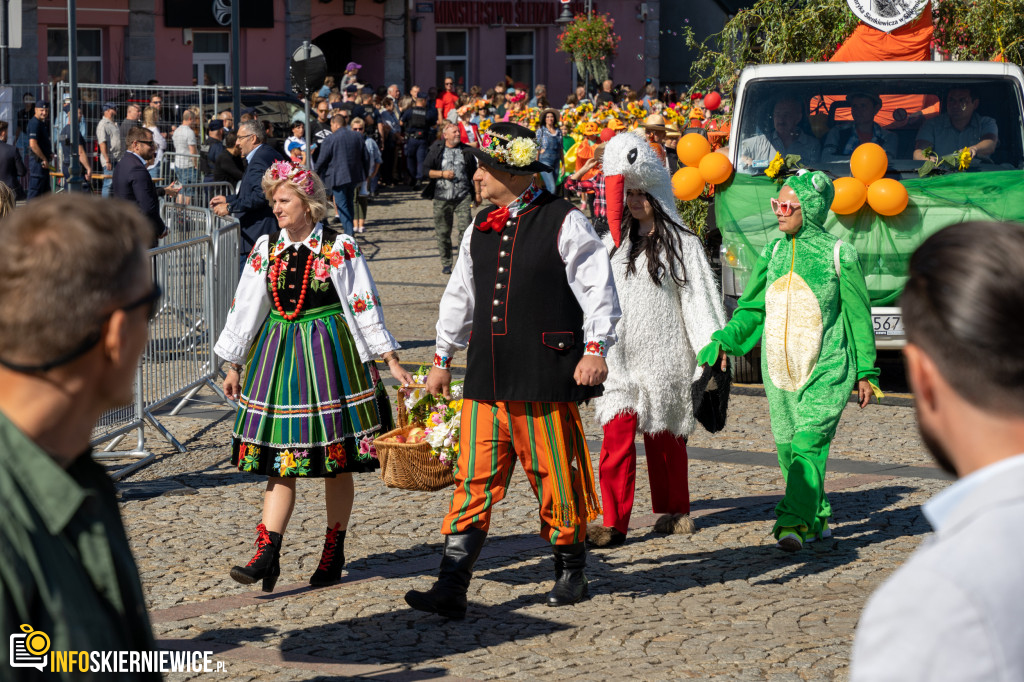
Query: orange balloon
x: 850, y: 196
x: 887, y: 196
x: 692, y: 148
x: 687, y: 183
x: 869, y: 162
x: 715, y: 168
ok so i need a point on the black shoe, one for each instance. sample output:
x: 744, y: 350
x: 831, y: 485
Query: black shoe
x: 570, y: 581
x: 265, y: 565
x: 446, y: 270
x: 332, y: 559
x: 447, y: 597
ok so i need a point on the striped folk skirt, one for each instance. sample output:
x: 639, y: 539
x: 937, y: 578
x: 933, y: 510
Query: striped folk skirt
x: 307, y: 405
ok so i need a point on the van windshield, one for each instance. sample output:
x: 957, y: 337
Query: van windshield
x: 823, y: 121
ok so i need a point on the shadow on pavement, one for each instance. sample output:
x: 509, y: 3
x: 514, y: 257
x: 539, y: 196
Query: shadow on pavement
x: 669, y: 573
x: 409, y: 637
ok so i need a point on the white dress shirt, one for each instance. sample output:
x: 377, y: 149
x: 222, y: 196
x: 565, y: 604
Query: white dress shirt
x: 350, y: 276
x: 952, y: 612
x: 587, y: 270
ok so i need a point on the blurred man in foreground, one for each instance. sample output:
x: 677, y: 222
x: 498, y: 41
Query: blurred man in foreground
x: 77, y: 291
x: 953, y: 611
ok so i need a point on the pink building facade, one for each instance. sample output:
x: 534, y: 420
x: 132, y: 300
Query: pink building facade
x: 178, y: 42
x: 480, y: 43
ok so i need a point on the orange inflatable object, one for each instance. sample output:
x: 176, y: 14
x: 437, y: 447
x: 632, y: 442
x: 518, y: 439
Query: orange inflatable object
x: 691, y: 148
x: 869, y: 162
x: 850, y: 196
x: 687, y: 183
x: 888, y: 197
x: 715, y: 168
x: 909, y: 43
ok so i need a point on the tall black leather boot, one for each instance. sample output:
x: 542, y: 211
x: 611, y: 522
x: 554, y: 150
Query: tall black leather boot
x: 265, y: 564
x: 570, y: 580
x: 447, y: 597
x: 332, y: 559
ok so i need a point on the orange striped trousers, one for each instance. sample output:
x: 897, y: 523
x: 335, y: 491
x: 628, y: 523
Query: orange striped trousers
x: 548, y: 439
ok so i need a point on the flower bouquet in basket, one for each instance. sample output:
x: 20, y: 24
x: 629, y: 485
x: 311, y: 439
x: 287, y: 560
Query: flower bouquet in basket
x: 420, y: 453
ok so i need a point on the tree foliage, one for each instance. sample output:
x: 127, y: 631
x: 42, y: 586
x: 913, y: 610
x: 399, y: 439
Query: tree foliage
x: 981, y: 29
x: 770, y: 32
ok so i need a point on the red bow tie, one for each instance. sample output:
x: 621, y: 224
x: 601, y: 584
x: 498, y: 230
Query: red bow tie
x: 495, y: 220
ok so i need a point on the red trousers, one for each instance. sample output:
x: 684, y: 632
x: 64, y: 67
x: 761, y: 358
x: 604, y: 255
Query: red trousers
x: 666, y: 469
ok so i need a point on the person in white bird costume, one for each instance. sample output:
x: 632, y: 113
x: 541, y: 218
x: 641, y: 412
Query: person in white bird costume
x: 670, y: 307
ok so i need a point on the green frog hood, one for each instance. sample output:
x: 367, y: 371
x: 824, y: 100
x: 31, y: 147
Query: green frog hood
x: 815, y: 192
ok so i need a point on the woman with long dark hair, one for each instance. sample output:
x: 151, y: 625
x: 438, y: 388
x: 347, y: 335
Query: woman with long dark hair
x: 549, y: 139
x: 670, y: 307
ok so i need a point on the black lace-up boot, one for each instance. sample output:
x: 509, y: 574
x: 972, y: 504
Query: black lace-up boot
x: 332, y: 559
x: 265, y: 564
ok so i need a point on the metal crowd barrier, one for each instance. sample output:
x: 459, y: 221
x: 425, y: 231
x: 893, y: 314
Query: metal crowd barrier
x: 186, y: 222
x: 198, y: 275
x: 200, y: 193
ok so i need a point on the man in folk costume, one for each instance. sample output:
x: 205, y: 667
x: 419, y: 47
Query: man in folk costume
x: 534, y: 286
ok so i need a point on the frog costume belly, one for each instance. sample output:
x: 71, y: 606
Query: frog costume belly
x: 807, y: 303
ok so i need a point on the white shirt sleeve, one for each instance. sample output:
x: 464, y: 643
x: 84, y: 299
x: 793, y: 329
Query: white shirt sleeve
x: 589, y: 273
x: 360, y: 300
x: 699, y: 298
x: 249, y: 307
x: 455, y: 321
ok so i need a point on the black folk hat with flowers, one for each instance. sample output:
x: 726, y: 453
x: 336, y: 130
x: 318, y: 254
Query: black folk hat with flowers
x: 510, y: 148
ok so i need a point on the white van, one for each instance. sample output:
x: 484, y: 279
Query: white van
x: 910, y: 95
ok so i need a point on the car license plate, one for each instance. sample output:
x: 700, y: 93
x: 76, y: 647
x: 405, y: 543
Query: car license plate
x: 887, y: 325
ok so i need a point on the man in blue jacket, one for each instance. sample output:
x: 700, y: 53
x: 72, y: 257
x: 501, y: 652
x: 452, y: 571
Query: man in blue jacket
x: 132, y: 182
x: 343, y: 164
x: 250, y: 204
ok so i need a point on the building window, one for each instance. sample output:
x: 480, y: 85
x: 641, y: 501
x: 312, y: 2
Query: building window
x: 519, y: 59
x: 211, y: 54
x: 452, y: 58
x: 90, y: 55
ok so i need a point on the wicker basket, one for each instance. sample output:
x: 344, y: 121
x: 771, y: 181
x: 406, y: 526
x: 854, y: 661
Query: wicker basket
x: 410, y: 466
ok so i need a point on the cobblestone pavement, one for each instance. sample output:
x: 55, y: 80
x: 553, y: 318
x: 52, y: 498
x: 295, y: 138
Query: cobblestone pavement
x: 720, y: 604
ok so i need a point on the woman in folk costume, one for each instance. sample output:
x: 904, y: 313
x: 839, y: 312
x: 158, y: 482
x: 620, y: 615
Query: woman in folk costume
x: 807, y: 303
x: 670, y: 306
x: 305, y: 319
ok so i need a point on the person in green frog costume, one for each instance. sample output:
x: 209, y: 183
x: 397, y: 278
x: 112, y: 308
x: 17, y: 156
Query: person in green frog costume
x: 807, y: 303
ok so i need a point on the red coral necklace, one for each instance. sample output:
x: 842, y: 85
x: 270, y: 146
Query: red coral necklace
x: 275, y: 273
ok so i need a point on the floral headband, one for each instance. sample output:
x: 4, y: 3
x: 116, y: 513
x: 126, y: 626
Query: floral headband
x: 283, y: 170
x: 518, y: 151
x: 518, y: 97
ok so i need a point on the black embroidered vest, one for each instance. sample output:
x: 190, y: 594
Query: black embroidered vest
x: 319, y: 292
x: 527, y: 324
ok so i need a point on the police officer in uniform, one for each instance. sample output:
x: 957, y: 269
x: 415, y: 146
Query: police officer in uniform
x: 416, y: 124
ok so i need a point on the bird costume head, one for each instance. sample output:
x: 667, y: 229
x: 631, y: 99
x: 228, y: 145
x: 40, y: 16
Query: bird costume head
x: 815, y: 192
x: 631, y: 163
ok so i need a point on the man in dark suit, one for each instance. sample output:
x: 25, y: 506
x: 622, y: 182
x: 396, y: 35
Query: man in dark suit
x: 12, y: 168
x: 343, y: 163
x: 132, y: 182
x: 249, y: 203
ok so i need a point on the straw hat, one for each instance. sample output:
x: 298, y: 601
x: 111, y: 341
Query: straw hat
x: 672, y: 131
x: 655, y: 122
x: 545, y: 112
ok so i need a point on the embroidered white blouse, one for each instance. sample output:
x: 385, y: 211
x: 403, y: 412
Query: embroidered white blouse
x: 587, y: 270
x: 349, y: 274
